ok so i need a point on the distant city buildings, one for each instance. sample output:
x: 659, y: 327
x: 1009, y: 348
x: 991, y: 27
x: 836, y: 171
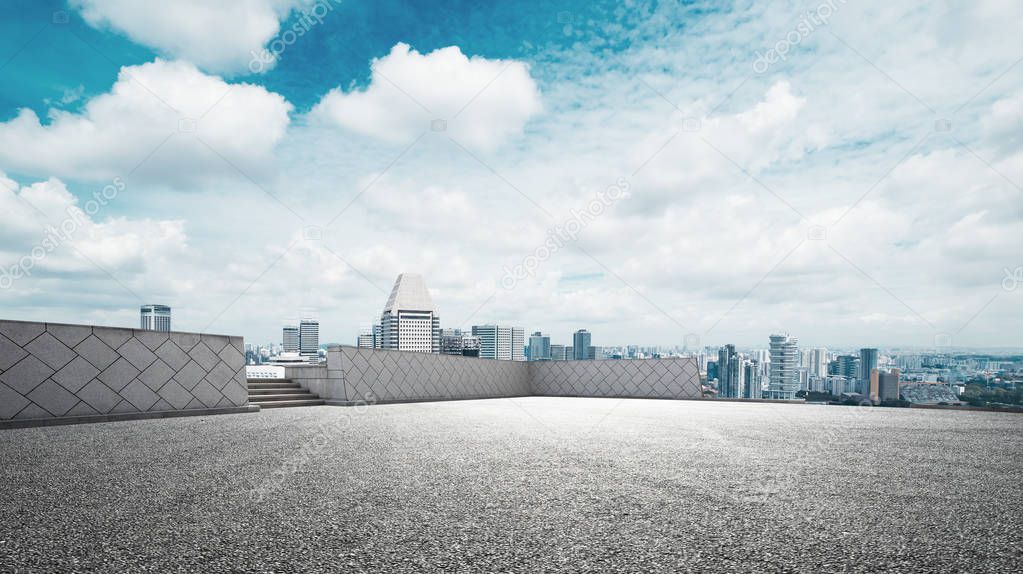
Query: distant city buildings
x: 455, y: 342
x: 888, y: 385
x: 409, y: 321
x: 729, y: 372
x: 290, y: 339
x: 539, y: 347
x: 155, y: 318
x: 309, y: 338
x: 868, y: 364
x: 367, y: 338
x: 783, y: 379
x: 301, y: 342
x: 753, y: 377
x: 582, y: 350
x: 500, y: 342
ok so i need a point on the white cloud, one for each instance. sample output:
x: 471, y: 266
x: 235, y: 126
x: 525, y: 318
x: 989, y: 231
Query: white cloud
x: 147, y: 118
x: 934, y: 227
x: 484, y: 102
x: 47, y: 230
x: 217, y: 36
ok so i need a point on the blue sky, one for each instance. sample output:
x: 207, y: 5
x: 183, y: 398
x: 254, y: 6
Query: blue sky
x: 846, y: 172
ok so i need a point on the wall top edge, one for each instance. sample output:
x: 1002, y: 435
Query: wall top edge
x: 115, y: 327
x: 337, y: 348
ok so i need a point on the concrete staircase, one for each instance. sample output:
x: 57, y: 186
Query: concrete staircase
x: 279, y: 393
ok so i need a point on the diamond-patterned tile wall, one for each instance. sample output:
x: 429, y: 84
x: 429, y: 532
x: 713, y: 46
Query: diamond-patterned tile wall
x: 49, y: 370
x: 384, y: 375
x: 647, y: 378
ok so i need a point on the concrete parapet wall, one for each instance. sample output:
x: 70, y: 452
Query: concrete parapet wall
x: 52, y: 370
x: 354, y: 374
x: 377, y: 375
x: 677, y: 378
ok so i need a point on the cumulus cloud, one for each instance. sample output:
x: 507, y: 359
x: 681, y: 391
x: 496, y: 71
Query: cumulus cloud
x: 47, y: 230
x: 167, y: 120
x: 217, y: 36
x: 483, y: 102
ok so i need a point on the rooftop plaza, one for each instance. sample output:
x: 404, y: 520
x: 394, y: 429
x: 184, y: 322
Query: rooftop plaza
x: 525, y: 484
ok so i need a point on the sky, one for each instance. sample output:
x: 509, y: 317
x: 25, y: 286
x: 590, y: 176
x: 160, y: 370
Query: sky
x: 660, y: 173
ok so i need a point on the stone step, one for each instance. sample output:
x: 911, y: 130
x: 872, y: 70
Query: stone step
x: 277, y: 391
x: 281, y: 404
x: 274, y: 386
x: 254, y: 380
x: 288, y: 397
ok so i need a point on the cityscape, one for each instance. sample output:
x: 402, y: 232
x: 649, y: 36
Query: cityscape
x: 780, y: 371
x: 584, y: 287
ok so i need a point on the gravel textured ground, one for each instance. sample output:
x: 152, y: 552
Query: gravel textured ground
x: 520, y: 485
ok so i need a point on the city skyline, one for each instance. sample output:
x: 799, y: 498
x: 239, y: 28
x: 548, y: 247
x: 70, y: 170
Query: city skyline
x: 587, y: 286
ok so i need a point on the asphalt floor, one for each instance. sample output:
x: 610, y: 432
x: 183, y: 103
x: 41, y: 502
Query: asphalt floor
x: 533, y: 484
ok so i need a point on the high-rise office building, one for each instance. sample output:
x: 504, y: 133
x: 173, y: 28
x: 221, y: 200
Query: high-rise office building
x: 470, y: 345
x: 783, y: 380
x: 455, y: 342
x: 868, y: 364
x: 752, y: 386
x: 502, y: 343
x: 290, y: 339
x: 888, y: 385
x: 518, y: 344
x: 558, y: 353
x: 155, y: 318
x: 818, y: 363
x: 366, y: 339
x: 309, y: 338
x: 729, y: 372
x: 451, y: 341
x: 712, y: 371
x: 581, y: 350
x: 539, y: 347
x: 410, y: 321
x: 847, y: 366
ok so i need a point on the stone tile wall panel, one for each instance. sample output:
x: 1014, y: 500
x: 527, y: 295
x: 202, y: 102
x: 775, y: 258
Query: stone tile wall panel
x: 52, y: 370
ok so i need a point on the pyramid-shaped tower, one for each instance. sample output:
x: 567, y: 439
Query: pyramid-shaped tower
x: 410, y: 321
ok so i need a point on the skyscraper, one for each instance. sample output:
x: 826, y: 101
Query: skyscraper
x: 502, y: 343
x: 410, y: 321
x: 729, y: 372
x: 539, y: 347
x: 888, y: 385
x: 581, y: 345
x: 752, y: 387
x: 155, y: 318
x: 783, y: 381
x: 847, y: 366
x: 819, y: 363
x: 309, y: 338
x: 868, y: 363
x: 290, y: 339
x: 558, y: 353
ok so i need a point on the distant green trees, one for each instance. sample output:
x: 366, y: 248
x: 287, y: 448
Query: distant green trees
x: 979, y: 395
